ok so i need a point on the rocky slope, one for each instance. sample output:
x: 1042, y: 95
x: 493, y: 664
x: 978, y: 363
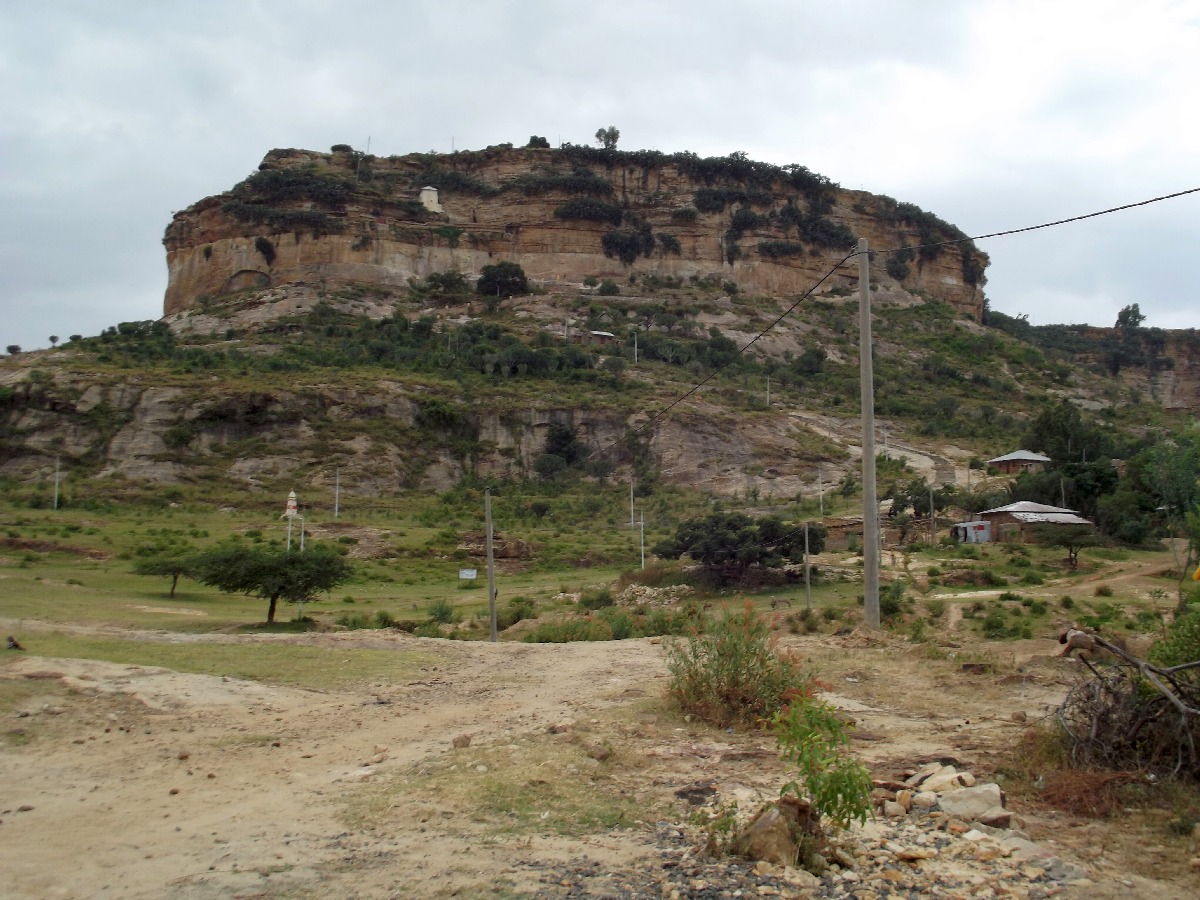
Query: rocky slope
x: 337, y: 218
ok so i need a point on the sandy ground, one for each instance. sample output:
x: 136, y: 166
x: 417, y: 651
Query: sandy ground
x: 126, y: 781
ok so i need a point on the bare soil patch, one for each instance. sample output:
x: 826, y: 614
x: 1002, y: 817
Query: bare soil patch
x: 154, y: 783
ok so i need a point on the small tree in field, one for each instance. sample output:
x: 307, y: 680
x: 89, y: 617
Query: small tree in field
x: 169, y: 565
x: 13, y: 349
x: 272, y: 574
x: 1071, y: 538
x: 608, y: 137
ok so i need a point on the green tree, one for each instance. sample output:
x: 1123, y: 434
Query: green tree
x: 1060, y: 432
x: 13, y: 349
x: 608, y: 137
x: 506, y: 279
x: 728, y: 544
x: 1071, y: 538
x: 272, y: 574
x: 173, y: 564
x: 538, y: 141
x: 1130, y: 317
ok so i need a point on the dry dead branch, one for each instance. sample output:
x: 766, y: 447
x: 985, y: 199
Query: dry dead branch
x: 1132, y: 714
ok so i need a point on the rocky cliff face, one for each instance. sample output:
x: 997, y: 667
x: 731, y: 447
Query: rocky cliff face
x: 563, y: 215
x: 375, y: 438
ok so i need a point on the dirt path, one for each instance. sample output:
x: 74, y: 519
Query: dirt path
x: 153, y: 783
x: 151, y: 779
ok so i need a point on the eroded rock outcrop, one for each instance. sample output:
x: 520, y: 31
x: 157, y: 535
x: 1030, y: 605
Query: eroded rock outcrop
x: 332, y: 219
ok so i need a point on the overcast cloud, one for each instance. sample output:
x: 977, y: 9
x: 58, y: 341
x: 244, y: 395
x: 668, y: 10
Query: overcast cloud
x: 993, y: 114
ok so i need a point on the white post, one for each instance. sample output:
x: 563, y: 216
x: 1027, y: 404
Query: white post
x: 867, y: 389
x: 56, y: 471
x: 635, y: 348
x: 337, y: 491
x: 643, y: 540
x: 932, y: 521
x: 631, y: 522
x: 807, y: 580
x: 289, y: 540
x: 487, y: 511
x: 821, y: 491
x: 302, y: 534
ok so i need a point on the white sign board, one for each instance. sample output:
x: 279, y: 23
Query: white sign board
x: 467, y: 574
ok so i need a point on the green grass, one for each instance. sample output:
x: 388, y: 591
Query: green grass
x: 318, y: 668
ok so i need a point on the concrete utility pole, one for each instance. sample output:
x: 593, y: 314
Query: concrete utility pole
x: 821, y: 491
x: 56, y: 478
x: 487, y: 512
x: 643, y: 540
x: 635, y: 348
x: 866, y: 377
x: 631, y: 522
x: 807, y: 567
x: 337, y: 491
x: 932, y: 521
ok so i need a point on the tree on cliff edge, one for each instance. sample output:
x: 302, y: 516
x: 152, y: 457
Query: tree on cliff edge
x: 608, y: 137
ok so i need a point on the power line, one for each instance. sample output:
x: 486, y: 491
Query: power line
x: 1091, y: 215
x: 662, y: 412
x: 717, y: 371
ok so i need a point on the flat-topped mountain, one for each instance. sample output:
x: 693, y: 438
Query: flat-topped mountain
x: 566, y: 214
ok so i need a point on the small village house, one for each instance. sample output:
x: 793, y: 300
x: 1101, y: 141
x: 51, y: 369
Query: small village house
x: 1019, y: 461
x: 1014, y: 522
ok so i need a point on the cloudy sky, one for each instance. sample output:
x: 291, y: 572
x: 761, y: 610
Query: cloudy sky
x: 993, y: 114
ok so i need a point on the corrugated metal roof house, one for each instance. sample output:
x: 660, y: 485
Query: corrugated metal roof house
x: 1012, y: 522
x: 1019, y: 461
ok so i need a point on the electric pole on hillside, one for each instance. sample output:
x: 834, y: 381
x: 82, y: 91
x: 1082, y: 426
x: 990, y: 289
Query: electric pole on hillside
x: 487, y: 511
x: 867, y: 387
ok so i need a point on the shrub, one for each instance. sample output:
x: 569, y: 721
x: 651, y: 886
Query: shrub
x: 684, y: 214
x: 569, y: 631
x: 1103, y: 590
x: 935, y: 608
x: 589, y: 210
x: 1181, y: 644
x: 441, y: 612
x: 779, y: 249
x: 608, y: 288
x: 596, y: 598
x: 670, y: 243
x: 536, y: 141
x: 266, y: 248
x: 811, y: 736
x: 732, y: 675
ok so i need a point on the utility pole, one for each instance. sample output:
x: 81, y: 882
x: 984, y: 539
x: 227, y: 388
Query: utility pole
x: 821, y: 491
x: 768, y: 389
x: 932, y: 521
x: 289, y: 540
x: 487, y: 512
x: 643, y: 540
x: 631, y: 522
x: 302, y: 534
x: 867, y: 387
x: 337, y: 491
x: 56, y: 477
x: 635, y: 348
x: 807, y: 568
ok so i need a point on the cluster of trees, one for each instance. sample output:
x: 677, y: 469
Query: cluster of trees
x: 729, y: 544
x: 271, y: 574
